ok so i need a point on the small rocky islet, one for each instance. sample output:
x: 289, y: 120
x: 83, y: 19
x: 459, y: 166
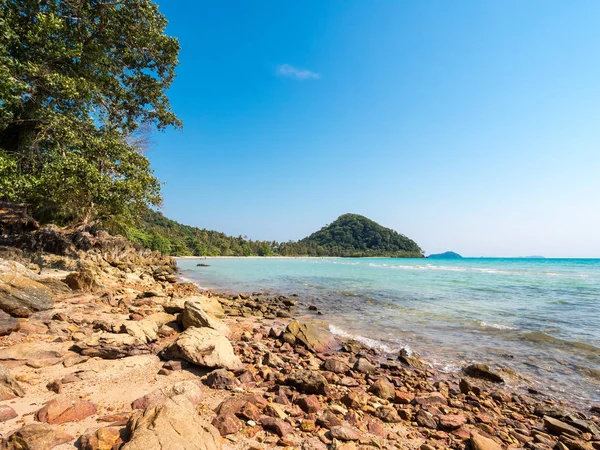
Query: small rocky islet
x: 103, y: 348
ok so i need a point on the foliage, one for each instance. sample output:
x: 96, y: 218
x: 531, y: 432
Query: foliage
x: 77, y: 79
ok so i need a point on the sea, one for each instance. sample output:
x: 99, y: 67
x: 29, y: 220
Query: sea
x: 536, y: 318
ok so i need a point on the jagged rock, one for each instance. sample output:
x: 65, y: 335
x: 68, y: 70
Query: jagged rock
x: 189, y: 389
x: 484, y: 372
x: 383, y: 389
x: 20, y: 294
x: 308, y: 382
x: 210, y: 305
x: 9, y: 387
x: 277, y: 426
x: 146, y: 330
x: 101, y: 439
x: 557, y: 427
x: 309, y: 404
x: 335, y: 365
x: 111, y: 346
x: 7, y: 413
x: 426, y: 419
x: 62, y: 410
x: 452, y: 421
x: 363, y: 365
x: 313, y: 444
x: 171, y: 425
x: 221, y: 379
x: 204, y: 347
x: 195, y: 316
x: 410, y: 360
x: 344, y: 433
x: 36, y: 436
x: 315, y: 339
x: 387, y: 414
x: 479, y: 442
x: 8, y: 324
x: 87, y: 279
x: 431, y: 399
x: 227, y: 424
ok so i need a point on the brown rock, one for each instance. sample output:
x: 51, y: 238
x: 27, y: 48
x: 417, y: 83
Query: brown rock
x: 452, y: 421
x: 312, y: 337
x: 309, y: 382
x: 479, y: 442
x: 250, y: 412
x: 55, y: 386
x: 277, y: 426
x: 329, y: 420
x: 307, y: 425
x: 557, y: 427
x: 309, y: 404
x: 227, y: 424
x: 36, y: 436
x: 20, y: 295
x: 9, y: 387
x: 111, y: 346
x: 335, y: 365
x: 363, y: 365
x: 466, y: 387
x: 344, y: 433
x: 425, y: 419
x: 62, y: 410
x: 484, y: 372
x: 7, y: 413
x: 383, y: 389
x: 387, y: 414
x: 8, y: 324
x: 403, y: 398
x: 431, y: 399
x: 101, y: 439
x: 221, y: 379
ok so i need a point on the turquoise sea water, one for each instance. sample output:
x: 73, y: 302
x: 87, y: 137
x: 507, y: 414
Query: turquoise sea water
x: 539, y: 317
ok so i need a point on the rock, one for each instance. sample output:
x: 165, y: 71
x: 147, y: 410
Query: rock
x: 9, y: 387
x: 363, y: 365
x: 316, y: 339
x: 147, y: 329
x: 250, y: 412
x: 329, y: 420
x: 387, y: 414
x: 383, y: 389
x: 277, y: 426
x: 55, y: 386
x: 355, y: 399
x: 344, y: 433
x: 412, y: 361
x: 313, y: 444
x: 479, y: 442
x: 62, y: 410
x: 111, y: 346
x: 227, y: 424
x: 171, y: 425
x: 466, y: 387
x: 195, y: 316
x: 7, y: 413
x: 335, y: 365
x: 221, y: 379
x: 204, y: 347
x: 403, y: 398
x: 87, y: 279
x: 557, y: 427
x: 452, y: 421
x: 36, y: 436
x: 210, y: 305
x: 8, y: 324
x: 431, y: 399
x: 484, y: 372
x: 308, y: 382
x: 309, y: 404
x: 101, y: 439
x: 425, y: 419
x: 189, y: 389
x: 20, y: 295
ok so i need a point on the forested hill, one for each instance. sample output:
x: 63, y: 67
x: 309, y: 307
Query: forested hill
x: 355, y: 235
x: 349, y: 235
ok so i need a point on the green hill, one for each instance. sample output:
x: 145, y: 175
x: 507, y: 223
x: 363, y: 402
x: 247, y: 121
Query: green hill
x: 355, y: 235
x: 445, y: 255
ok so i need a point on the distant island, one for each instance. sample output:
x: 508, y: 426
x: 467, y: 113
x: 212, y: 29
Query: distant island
x: 350, y: 235
x: 445, y: 255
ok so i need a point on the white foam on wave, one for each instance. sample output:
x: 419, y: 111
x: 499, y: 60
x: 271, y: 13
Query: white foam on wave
x: 496, y: 326
x: 372, y: 343
x: 194, y: 282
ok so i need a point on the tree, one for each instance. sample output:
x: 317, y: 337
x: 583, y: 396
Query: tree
x: 78, y: 80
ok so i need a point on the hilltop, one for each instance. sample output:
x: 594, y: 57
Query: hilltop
x: 355, y: 235
x: 445, y: 255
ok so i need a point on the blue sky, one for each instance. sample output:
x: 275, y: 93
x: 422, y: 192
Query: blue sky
x: 471, y: 126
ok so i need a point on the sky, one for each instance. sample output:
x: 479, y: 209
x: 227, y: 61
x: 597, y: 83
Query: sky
x: 471, y: 126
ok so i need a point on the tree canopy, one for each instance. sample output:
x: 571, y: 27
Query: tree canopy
x: 78, y: 80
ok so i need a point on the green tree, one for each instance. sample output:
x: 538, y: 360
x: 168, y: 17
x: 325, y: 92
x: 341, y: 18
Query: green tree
x: 78, y: 78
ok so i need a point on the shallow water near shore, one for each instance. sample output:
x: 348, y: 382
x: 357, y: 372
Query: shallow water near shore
x: 538, y: 317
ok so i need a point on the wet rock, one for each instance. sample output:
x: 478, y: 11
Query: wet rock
x: 7, y: 413
x: 227, y: 424
x: 221, y: 379
x: 172, y: 424
x: 101, y: 439
x: 111, y: 346
x: 62, y: 410
x: 308, y: 382
x: 344, y: 433
x: 8, y: 324
x: 483, y: 372
x: 383, y: 389
x: 204, y: 347
x: 9, y: 387
x: 277, y: 426
x: 20, y: 295
x: 36, y: 436
x: 410, y: 360
x: 312, y: 337
x: 558, y: 427
x: 479, y: 442
x: 195, y: 316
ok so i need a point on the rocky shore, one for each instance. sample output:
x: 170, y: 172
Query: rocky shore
x: 101, y: 348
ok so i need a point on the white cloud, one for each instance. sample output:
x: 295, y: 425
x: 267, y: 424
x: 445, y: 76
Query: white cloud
x: 287, y: 70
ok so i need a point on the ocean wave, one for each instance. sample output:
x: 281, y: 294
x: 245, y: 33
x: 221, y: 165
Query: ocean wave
x: 192, y: 281
x: 372, y: 343
x: 496, y: 326
x: 542, y: 338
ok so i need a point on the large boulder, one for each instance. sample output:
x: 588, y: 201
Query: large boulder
x: 312, y: 337
x: 20, y: 294
x: 9, y: 387
x: 111, y: 346
x: 210, y: 305
x: 171, y: 425
x: 62, y: 410
x: 35, y: 436
x: 195, y: 316
x: 146, y: 330
x: 204, y: 347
